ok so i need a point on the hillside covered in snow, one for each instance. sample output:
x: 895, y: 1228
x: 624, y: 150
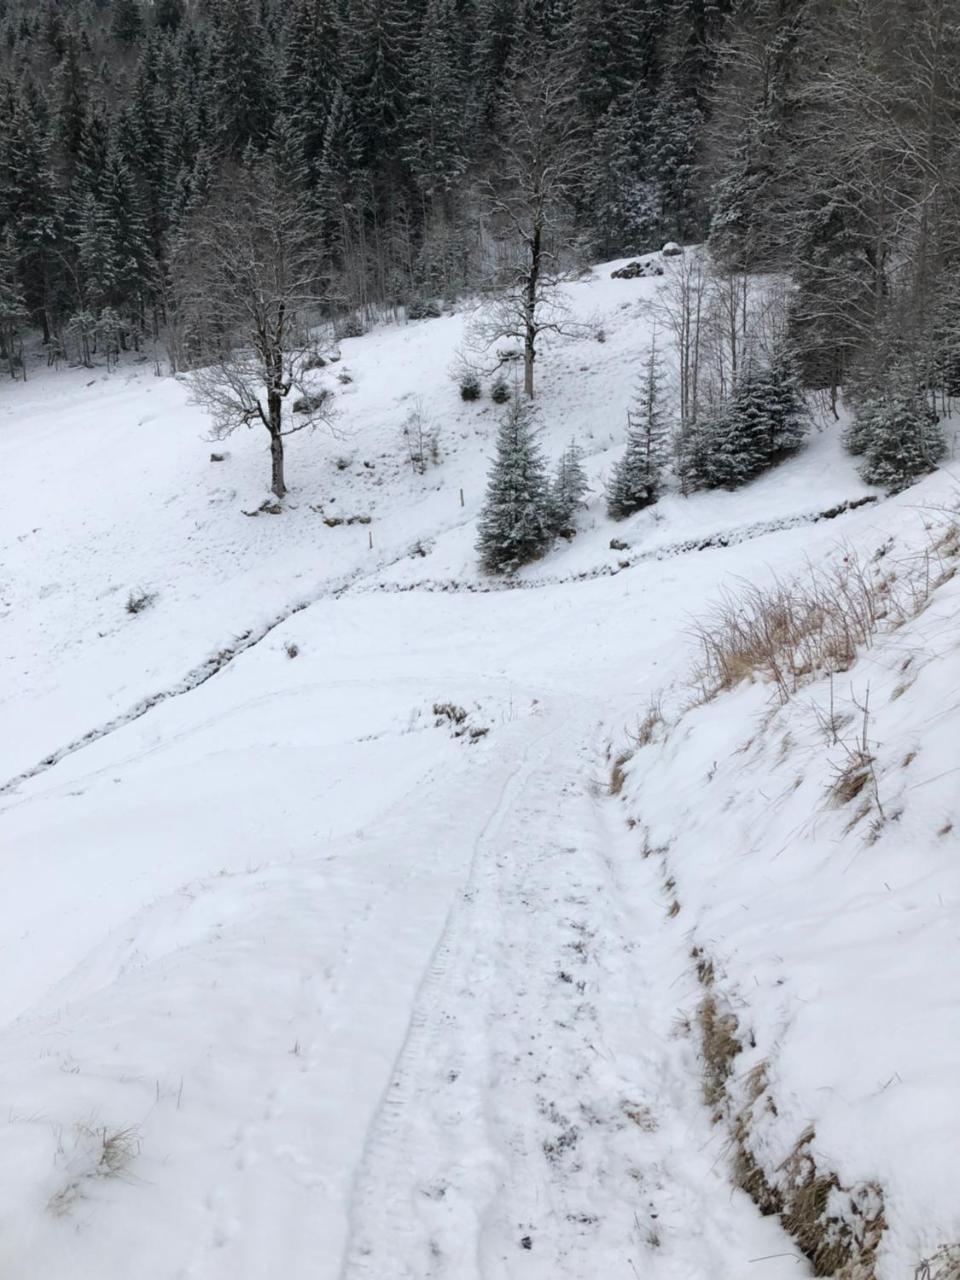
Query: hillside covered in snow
x: 366, y: 915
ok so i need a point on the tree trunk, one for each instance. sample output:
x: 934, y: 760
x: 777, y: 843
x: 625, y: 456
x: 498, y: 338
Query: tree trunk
x: 277, y: 484
x: 530, y: 311
x: 275, y: 413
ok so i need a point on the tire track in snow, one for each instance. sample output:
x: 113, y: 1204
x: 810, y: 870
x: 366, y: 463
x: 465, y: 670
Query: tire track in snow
x: 336, y: 588
x: 544, y: 1117
x: 378, y: 1214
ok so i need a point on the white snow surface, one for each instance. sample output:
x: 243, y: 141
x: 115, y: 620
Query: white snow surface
x: 298, y: 982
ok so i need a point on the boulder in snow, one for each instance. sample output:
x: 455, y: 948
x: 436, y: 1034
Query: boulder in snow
x: 637, y: 270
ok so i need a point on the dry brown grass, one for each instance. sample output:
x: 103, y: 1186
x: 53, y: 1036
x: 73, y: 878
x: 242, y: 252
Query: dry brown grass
x: 838, y: 1244
x: 747, y: 1173
x: 851, y: 778
x: 793, y: 630
x: 943, y: 1265
x: 719, y: 1047
x: 617, y: 772
x: 804, y: 1196
x: 844, y: 1247
x: 651, y: 722
x: 816, y: 624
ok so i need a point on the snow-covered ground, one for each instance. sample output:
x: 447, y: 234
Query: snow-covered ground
x: 304, y: 979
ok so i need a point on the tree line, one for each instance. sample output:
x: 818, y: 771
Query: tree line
x: 120, y: 118
x: 414, y: 149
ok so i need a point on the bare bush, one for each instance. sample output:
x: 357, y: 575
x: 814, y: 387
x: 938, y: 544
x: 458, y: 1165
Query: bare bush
x: 99, y: 1153
x: 421, y: 438
x: 138, y: 601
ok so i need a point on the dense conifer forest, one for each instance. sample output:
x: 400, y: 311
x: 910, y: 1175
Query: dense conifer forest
x: 413, y: 147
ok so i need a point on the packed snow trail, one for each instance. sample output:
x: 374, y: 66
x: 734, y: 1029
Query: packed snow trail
x: 543, y: 1116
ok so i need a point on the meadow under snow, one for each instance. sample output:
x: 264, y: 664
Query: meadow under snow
x: 304, y: 978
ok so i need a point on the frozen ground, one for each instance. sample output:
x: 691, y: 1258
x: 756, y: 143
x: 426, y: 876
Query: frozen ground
x: 298, y: 981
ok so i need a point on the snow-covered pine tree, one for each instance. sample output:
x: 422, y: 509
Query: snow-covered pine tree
x: 127, y: 22
x: 691, y: 452
x: 770, y: 394
x: 243, y: 82
x: 638, y: 476
x: 900, y: 438
x: 434, y: 147
x: 568, y: 491
x: 761, y: 422
x: 514, y: 526
x: 735, y: 446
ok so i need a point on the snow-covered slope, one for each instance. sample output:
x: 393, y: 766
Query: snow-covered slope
x: 304, y: 974
x: 813, y: 858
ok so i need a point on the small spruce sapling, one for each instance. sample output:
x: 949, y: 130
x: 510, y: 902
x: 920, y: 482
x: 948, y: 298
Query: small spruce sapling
x: 515, y: 524
x: 638, y: 476
x: 568, y: 491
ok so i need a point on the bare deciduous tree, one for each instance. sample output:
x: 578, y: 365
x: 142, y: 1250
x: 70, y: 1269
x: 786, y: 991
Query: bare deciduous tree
x: 542, y: 161
x: 248, y: 283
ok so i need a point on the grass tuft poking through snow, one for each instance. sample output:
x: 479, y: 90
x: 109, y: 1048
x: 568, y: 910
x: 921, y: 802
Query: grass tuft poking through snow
x: 99, y: 1152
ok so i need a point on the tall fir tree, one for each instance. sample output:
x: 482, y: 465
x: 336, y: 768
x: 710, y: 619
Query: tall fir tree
x: 13, y: 305
x: 435, y: 143
x: 243, y: 76
x: 311, y: 74
x: 638, y: 477
x: 514, y: 526
x: 126, y: 23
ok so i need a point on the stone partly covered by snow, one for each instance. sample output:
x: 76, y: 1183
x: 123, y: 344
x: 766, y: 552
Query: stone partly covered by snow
x: 298, y: 982
x: 638, y: 270
x: 671, y: 250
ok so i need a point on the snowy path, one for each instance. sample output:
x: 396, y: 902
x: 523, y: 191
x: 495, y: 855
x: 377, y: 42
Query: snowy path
x: 543, y: 1116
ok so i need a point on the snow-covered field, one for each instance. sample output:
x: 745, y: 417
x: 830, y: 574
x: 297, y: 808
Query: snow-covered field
x: 301, y: 979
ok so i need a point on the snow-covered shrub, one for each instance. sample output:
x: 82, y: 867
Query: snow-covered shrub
x: 690, y: 455
x: 80, y: 333
x: 138, y: 601
x: 421, y: 438
x: 351, y: 326
x: 500, y: 391
x: 515, y: 524
x: 899, y: 437
x: 422, y: 309
x: 469, y: 387
x: 310, y: 402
